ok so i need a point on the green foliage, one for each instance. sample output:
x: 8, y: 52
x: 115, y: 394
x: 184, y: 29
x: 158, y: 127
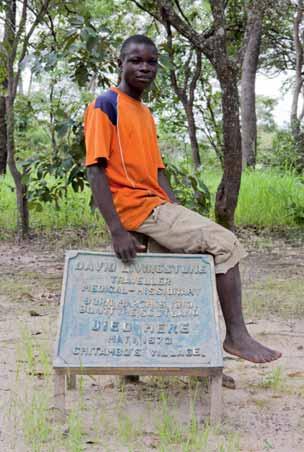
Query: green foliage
x: 274, y: 380
x: 270, y: 198
x: 189, y: 186
x: 267, y: 199
x: 74, y: 212
x: 264, y: 111
x: 30, y: 132
x: 48, y: 176
x: 284, y: 154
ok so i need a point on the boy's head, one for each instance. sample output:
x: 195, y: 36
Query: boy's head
x: 138, y: 62
x: 137, y: 40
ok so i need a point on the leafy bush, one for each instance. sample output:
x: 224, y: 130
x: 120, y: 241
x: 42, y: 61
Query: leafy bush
x: 284, y: 155
x: 188, y: 186
x: 49, y: 173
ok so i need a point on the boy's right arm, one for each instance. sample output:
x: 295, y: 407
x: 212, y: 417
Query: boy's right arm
x: 124, y: 244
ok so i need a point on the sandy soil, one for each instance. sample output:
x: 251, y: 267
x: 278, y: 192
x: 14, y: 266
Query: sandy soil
x: 264, y: 412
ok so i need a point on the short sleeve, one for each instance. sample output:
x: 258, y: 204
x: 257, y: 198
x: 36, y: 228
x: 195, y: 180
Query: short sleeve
x: 98, y: 131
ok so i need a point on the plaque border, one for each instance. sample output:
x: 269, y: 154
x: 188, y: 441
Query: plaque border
x: 59, y: 364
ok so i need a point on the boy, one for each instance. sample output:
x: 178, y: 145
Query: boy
x: 126, y: 174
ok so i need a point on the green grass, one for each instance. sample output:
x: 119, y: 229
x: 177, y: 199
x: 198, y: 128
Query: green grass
x: 275, y: 297
x: 267, y: 198
x: 115, y: 428
x: 74, y: 211
x: 270, y: 199
x: 274, y: 380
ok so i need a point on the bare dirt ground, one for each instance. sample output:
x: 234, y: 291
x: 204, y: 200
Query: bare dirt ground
x: 264, y: 412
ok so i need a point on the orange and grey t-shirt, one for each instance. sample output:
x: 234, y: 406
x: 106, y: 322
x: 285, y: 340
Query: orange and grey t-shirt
x: 121, y: 130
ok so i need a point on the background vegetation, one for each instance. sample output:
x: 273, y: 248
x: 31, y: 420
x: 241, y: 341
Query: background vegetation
x: 57, y: 56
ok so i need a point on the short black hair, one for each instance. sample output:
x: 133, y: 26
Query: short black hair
x: 137, y: 39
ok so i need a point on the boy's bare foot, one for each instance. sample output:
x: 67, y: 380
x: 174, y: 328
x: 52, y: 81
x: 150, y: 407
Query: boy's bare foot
x: 244, y: 346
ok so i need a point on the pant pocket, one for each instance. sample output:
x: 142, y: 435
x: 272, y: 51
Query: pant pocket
x: 168, y: 215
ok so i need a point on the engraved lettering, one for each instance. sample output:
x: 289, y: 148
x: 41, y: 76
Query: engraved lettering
x: 126, y: 327
x: 148, y: 328
x: 161, y: 328
x: 96, y: 325
x: 185, y: 328
x: 115, y: 327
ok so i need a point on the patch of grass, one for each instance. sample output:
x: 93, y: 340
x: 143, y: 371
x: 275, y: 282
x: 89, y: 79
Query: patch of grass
x: 231, y: 443
x: 270, y: 198
x: 282, y: 298
x: 29, y: 408
x: 127, y: 431
x: 267, y: 445
x: 74, y: 212
x: 274, y: 380
x: 36, y: 426
x: 197, y: 438
x: 75, y: 432
x: 11, y: 287
x: 168, y: 429
x: 22, y: 286
x: 261, y: 403
x: 28, y: 351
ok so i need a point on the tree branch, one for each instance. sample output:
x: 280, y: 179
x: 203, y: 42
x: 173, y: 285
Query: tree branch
x: 178, y: 90
x: 299, y: 63
x: 195, y: 77
x: 181, y: 12
x: 148, y: 11
x: 187, y: 67
x: 42, y: 11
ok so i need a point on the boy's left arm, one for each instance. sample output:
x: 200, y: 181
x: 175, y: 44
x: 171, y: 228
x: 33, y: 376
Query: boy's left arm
x: 165, y: 185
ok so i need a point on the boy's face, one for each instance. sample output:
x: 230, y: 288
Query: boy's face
x: 139, y: 65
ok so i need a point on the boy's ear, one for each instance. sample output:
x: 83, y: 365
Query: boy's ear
x: 119, y: 63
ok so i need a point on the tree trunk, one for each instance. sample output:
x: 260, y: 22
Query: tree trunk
x: 227, y: 74
x: 3, y: 147
x: 295, y: 118
x: 52, y: 120
x: 249, y: 70
x: 228, y: 189
x: 214, y: 46
x: 21, y: 189
x: 187, y: 98
x: 192, y: 135
x: 12, y: 82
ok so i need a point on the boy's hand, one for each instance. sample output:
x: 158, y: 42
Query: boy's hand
x: 125, y: 245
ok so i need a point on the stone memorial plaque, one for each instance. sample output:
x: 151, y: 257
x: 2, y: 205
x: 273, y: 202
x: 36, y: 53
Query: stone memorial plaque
x: 158, y: 312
